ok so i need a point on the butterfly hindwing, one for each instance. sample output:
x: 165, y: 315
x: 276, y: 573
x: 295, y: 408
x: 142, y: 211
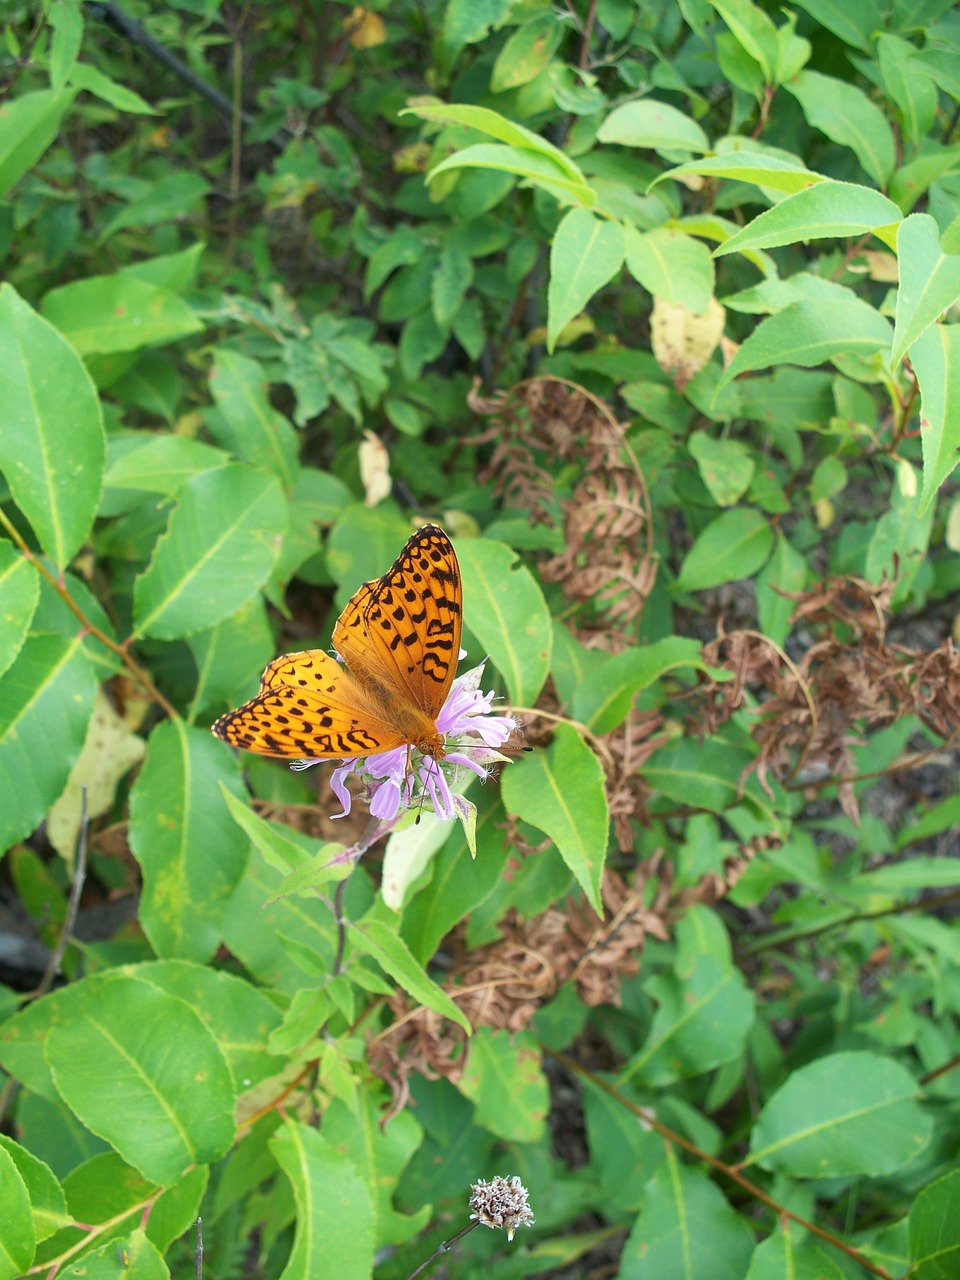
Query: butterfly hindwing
x: 310, y: 707
x: 402, y: 632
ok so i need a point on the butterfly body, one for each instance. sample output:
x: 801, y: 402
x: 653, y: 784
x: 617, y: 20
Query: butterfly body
x: 399, y: 638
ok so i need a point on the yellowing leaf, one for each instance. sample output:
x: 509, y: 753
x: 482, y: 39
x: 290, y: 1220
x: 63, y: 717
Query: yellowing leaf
x: 374, y: 469
x: 366, y: 29
x: 683, y: 341
x: 110, y: 751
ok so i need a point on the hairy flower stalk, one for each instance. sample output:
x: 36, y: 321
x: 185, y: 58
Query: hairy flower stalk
x: 402, y: 779
x: 500, y: 1203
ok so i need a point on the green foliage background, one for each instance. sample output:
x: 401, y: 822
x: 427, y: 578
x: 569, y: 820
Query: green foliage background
x: 206, y: 303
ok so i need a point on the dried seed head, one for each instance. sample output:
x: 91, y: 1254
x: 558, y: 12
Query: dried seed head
x: 501, y: 1202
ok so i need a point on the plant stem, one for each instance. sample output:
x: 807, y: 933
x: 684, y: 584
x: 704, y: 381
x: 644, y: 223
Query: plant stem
x: 647, y: 1116
x: 120, y: 650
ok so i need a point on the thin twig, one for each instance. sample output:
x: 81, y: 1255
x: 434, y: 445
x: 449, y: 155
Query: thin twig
x: 137, y: 34
x: 90, y: 628
x: 644, y: 1114
x: 9, y: 1090
x: 73, y: 902
x: 940, y: 1071
x: 854, y: 917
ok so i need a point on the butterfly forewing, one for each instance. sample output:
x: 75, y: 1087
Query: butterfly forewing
x: 308, y: 707
x: 402, y: 632
x: 400, y: 639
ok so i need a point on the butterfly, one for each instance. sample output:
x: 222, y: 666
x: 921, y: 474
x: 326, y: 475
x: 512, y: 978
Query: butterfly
x: 399, y: 638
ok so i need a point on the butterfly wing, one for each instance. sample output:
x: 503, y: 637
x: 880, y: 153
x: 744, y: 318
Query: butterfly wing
x: 308, y: 707
x: 400, y: 634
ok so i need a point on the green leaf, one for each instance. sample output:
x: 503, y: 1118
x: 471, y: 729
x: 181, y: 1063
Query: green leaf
x: 218, y: 550
x: 539, y: 170
x: 374, y: 938
x: 292, y: 860
x: 912, y: 180
x: 936, y: 362
x: 785, y: 572
x: 451, y: 280
x: 914, y: 95
x: 19, y: 593
x: 935, y: 1230
x: 126, y: 1255
x: 726, y: 466
x: 900, y: 538
x: 48, y: 1205
x: 846, y: 1113
x: 191, y: 854
x: 107, y: 1191
x: 163, y: 1111
x: 335, y: 1218
x: 161, y: 464
x: 459, y: 882
x: 504, y: 1078
x: 527, y: 52
x: 778, y: 173
x: 54, y: 470
x: 66, y: 20
x: 17, y: 1240
x: 504, y: 607
x: 929, y: 281
x: 248, y: 425
x: 497, y: 126
x: 847, y: 116
x: 854, y: 21
x: 561, y: 791
x: 808, y: 333
x: 827, y: 209
x: 604, y: 695
x: 86, y: 76
x: 780, y: 1255
x: 175, y: 197
x: 754, y: 32
x: 686, y: 1230
x: 932, y: 822
x: 229, y: 656
x: 28, y: 125
x: 176, y: 271
x: 733, y: 546
x: 702, y: 1020
x: 105, y: 314
x: 586, y: 253
x: 379, y: 1153
x: 671, y: 265
x: 707, y: 774
x: 46, y: 699
x: 239, y: 1016
x: 654, y: 126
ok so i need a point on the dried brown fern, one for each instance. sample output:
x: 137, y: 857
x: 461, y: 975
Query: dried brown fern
x: 607, y: 562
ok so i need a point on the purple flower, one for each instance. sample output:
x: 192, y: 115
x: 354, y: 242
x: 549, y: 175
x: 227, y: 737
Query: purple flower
x: 403, y: 778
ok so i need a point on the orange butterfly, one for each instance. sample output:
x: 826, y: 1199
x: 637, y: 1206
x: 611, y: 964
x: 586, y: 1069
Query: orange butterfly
x: 399, y: 637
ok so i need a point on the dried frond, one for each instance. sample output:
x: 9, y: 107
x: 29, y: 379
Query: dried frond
x: 850, y: 680
x: 607, y: 561
x: 503, y: 984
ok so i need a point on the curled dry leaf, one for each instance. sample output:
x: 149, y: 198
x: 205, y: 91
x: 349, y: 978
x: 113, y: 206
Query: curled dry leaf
x: 809, y: 715
x: 504, y: 984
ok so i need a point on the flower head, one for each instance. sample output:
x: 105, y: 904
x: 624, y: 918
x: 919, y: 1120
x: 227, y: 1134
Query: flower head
x: 501, y: 1202
x: 398, y: 779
